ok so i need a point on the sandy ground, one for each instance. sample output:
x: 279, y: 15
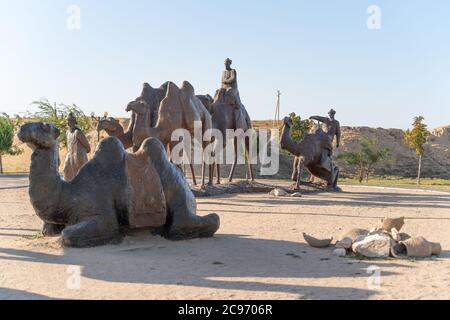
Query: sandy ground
x: 259, y: 252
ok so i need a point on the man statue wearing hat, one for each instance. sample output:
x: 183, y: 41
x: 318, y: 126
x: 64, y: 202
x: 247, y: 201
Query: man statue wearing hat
x: 331, y: 126
x: 229, y: 76
x: 229, y: 94
x: 77, y: 149
x: 229, y: 91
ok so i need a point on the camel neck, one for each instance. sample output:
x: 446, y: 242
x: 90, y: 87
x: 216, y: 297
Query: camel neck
x: 157, y: 133
x: 45, y: 181
x: 116, y: 133
x: 287, y: 143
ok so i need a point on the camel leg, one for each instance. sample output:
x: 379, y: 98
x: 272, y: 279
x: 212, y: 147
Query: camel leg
x: 295, y: 169
x: 52, y: 230
x: 233, y: 168
x: 203, y: 174
x: 218, y: 173
x: 299, y: 176
x: 194, y: 179
x: 249, y: 161
x: 335, y: 177
x: 211, y: 173
x: 95, y: 231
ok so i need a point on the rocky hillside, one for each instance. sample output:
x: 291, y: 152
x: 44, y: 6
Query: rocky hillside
x: 403, y: 162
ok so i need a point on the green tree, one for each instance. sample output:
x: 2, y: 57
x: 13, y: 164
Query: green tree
x: 300, y: 127
x: 57, y: 115
x: 416, y: 139
x: 365, y: 158
x: 7, y: 129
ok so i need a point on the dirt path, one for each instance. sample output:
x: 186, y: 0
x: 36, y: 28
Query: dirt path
x: 258, y: 254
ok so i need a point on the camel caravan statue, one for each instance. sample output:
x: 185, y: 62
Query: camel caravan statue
x: 133, y: 136
x: 314, y: 152
x: 180, y: 109
x: 158, y: 113
x: 112, y: 192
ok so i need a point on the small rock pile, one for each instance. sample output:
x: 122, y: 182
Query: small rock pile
x: 383, y: 242
x: 283, y: 193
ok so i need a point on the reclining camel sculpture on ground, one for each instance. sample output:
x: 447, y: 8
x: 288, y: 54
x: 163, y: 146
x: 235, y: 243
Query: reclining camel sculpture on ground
x: 313, y: 152
x: 114, y: 191
x: 113, y: 128
x: 178, y: 110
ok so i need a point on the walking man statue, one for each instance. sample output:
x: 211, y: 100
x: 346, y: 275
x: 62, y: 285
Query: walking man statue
x: 78, y: 148
x: 332, y: 128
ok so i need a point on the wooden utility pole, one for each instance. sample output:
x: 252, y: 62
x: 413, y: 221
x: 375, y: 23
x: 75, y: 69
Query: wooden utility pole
x: 276, y: 120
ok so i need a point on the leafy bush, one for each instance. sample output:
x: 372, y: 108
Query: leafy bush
x: 300, y: 127
x: 7, y: 130
x: 415, y: 139
x: 57, y: 115
x: 364, y: 159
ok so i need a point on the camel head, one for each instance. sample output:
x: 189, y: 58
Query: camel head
x: 146, y: 89
x: 39, y: 135
x: 139, y: 106
x: 287, y: 122
x: 108, y: 124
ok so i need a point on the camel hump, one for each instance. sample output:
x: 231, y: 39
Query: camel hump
x: 154, y: 148
x: 172, y: 89
x: 146, y: 200
x: 164, y: 86
x: 110, y: 150
x: 187, y: 88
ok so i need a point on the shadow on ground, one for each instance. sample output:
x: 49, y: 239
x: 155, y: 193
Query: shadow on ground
x: 224, y: 262
x: 352, y: 199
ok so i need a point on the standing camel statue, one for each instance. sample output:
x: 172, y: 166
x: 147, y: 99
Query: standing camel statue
x: 114, y: 129
x: 228, y: 114
x: 313, y: 152
x: 194, y: 110
x: 148, y: 116
x: 153, y: 97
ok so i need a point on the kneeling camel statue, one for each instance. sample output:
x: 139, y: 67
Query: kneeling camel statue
x: 113, y: 192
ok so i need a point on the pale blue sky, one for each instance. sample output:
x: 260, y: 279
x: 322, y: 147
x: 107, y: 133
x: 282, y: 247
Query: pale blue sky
x: 318, y: 53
